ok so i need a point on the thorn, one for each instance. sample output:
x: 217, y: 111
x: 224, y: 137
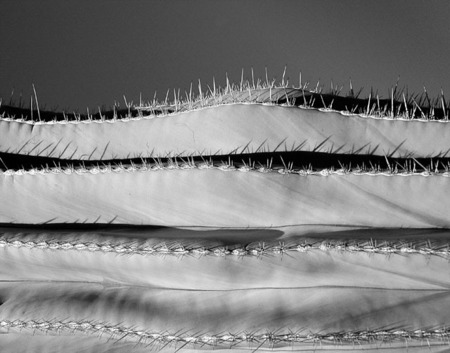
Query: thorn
x: 406, y: 106
x: 284, y: 164
x: 444, y: 112
x: 200, y: 92
x: 253, y: 79
x: 368, y: 104
x: 388, y: 164
x: 1, y: 160
x: 31, y: 108
x: 416, y: 161
x: 167, y: 97
x: 279, y: 144
x: 259, y: 147
x: 392, y: 102
x: 37, y: 103
x: 321, y: 144
x: 323, y: 102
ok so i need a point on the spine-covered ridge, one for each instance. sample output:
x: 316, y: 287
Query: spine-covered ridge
x: 284, y: 336
x: 254, y: 249
x: 397, y: 106
x: 411, y: 169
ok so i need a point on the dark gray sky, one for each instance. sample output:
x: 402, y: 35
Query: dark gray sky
x: 82, y: 53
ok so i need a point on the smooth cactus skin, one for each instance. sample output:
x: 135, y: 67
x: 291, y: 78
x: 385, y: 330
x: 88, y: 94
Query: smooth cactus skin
x: 216, y: 198
x: 163, y: 243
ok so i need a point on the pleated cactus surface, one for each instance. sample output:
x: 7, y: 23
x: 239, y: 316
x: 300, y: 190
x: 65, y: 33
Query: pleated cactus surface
x: 252, y: 218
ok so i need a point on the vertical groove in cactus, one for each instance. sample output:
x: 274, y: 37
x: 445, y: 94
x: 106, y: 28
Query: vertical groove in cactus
x: 247, y: 219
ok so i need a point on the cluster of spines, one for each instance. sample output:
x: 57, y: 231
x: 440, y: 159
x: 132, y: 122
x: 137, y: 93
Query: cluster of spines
x: 398, y: 105
x: 266, y: 338
x: 254, y: 250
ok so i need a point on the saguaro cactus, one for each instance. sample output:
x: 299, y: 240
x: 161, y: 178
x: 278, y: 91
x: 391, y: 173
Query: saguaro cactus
x: 258, y: 217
